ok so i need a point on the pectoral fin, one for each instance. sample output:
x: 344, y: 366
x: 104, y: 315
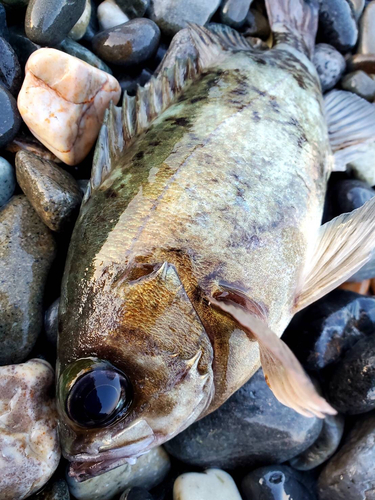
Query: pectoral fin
x: 284, y: 373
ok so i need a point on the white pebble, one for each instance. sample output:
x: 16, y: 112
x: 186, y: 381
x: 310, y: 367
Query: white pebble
x: 110, y: 15
x: 213, y: 484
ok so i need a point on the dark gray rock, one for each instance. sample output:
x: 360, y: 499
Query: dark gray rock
x: 322, y: 333
x: 130, y: 81
x: 22, y: 46
x: 128, y: 44
x: 51, y: 325
x: 10, y: 69
x: 53, y: 192
x: 251, y: 428
x: 15, y: 3
x: 256, y: 25
x: 234, y: 12
x: 133, y: 8
x: 4, y: 32
x: 136, y: 494
x: 27, y: 249
x: 7, y: 181
x: 48, y: 22
x: 275, y: 482
x: 330, y: 65
x: 359, y: 83
x: 337, y: 24
x: 55, y: 490
x: 350, y: 474
x: 324, y: 447
x: 77, y: 50
x: 10, y: 119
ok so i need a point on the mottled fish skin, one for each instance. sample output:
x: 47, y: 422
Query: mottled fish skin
x: 227, y: 187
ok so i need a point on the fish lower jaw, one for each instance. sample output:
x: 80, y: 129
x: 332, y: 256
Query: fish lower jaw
x: 82, y: 471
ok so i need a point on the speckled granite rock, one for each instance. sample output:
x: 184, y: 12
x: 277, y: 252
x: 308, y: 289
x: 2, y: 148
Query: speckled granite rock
x: 29, y: 446
x: 27, y: 249
x: 330, y: 65
x: 213, y: 484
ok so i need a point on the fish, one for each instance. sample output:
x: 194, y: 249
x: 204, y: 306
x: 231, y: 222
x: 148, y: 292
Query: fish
x: 200, y: 237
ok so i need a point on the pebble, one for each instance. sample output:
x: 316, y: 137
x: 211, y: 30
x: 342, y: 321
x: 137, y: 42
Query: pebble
x: 364, y: 168
x: 234, y: 12
x: 7, y: 181
x: 256, y: 25
x: 75, y: 49
x: 24, y: 141
x: 55, y: 490
x: 22, y: 46
x: 79, y: 29
x: 10, y: 69
x: 364, y: 62
x: 350, y: 474
x: 136, y: 494
x: 27, y: 249
x: 173, y: 15
x: 274, y: 482
x: 352, y: 387
x: 359, y: 83
x: 129, y: 44
x: 366, y: 43
x: 93, y: 26
x: 337, y: 24
x: 29, y: 446
x: 148, y: 471
x: 330, y: 327
x: 52, y: 191
x: 134, y: 8
x: 110, y: 15
x: 324, y: 447
x: 51, y: 324
x: 48, y: 22
x: 330, y: 65
x: 357, y: 6
x: 4, y: 32
x: 361, y: 287
x: 213, y: 484
x: 10, y: 120
x: 65, y: 114
x: 250, y: 429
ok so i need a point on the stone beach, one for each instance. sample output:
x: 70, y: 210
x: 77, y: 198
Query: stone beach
x: 62, y: 64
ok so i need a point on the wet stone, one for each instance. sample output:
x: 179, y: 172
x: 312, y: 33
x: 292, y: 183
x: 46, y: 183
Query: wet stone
x: 128, y: 44
x: 24, y: 141
x: 22, y: 46
x: 51, y: 325
x: 27, y: 249
x: 75, y: 49
x: 324, y: 447
x: 213, y: 484
x: 7, y: 181
x: 133, y: 8
x: 93, y: 26
x: 350, y: 474
x: 359, y: 83
x: 54, y: 490
x: 110, y: 15
x: 330, y: 65
x: 256, y: 25
x: 10, y: 69
x: 48, y: 22
x: 234, y: 12
x: 366, y: 43
x: 337, y: 24
x: 261, y: 430
x: 274, y: 482
x: 136, y: 494
x: 10, y: 120
x: 79, y: 29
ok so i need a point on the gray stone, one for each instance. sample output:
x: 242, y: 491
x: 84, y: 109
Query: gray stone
x: 79, y: 29
x: 359, y: 83
x: 4, y: 32
x: 53, y: 192
x: 250, y: 429
x: 234, y: 12
x: 51, y: 325
x: 7, y: 181
x: 337, y: 24
x: 366, y: 43
x: 330, y: 65
x: 93, y: 27
x: 350, y: 474
x: 357, y: 7
x: 10, y: 119
x: 77, y: 50
x: 129, y: 81
x: 55, y: 490
x: 133, y: 8
x: 27, y: 249
x: 22, y: 46
x: 10, y: 69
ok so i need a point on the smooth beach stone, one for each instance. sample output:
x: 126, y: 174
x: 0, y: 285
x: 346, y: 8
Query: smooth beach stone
x: 10, y: 69
x: 337, y: 24
x: 251, y: 428
x: 63, y: 101
x: 53, y: 192
x: 51, y: 324
x: 4, y: 32
x: 357, y: 7
x: 364, y: 167
x: 75, y: 49
x: 129, y: 82
x: 48, y: 22
x: 324, y: 447
x: 212, y: 484
x: 234, y: 12
x: 256, y: 25
x: 322, y: 333
x: 22, y: 46
x: 129, y: 44
x: 350, y: 474
x: 352, y: 386
x: 10, y: 120
x: 359, y: 83
x: 330, y: 65
x: 366, y: 43
x: 133, y: 8
x: 7, y: 181
x: 110, y: 15
x: 149, y: 470
x: 364, y: 62
x: 54, y: 490
x: 29, y: 444
x: 79, y: 29
x: 136, y: 494
x: 173, y: 15
x: 274, y: 482
x: 27, y: 249
x: 93, y: 26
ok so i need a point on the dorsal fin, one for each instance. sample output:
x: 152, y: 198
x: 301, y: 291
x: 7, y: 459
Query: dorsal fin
x: 122, y: 125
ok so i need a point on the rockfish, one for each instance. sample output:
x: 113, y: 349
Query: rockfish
x: 199, y: 238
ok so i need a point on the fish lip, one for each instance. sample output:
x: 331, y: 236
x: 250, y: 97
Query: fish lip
x: 82, y: 471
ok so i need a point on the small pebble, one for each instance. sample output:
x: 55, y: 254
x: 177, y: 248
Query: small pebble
x: 234, y: 12
x: 110, y: 15
x: 136, y: 494
x: 359, y: 83
x: 77, y: 50
x: 364, y: 62
x: 256, y: 25
x: 361, y: 287
x: 347, y: 195
x: 7, y: 181
x: 79, y: 29
x: 24, y: 141
x: 330, y: 65
x: 10, y: 120
x: 366, y: 43
x: 29, y: 446
x: 55, y: 490
x: 129, y: 44
x: 364, y: 167
x: 213, y: 484
x: 337, y: 24
x: 133, y: 8
x: 22, y: 46
x: 10, y: 69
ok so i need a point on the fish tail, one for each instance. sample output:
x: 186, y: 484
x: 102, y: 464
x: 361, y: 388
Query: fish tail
x: 294, y: 22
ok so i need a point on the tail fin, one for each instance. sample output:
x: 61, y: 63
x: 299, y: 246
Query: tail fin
x: 294, y: 22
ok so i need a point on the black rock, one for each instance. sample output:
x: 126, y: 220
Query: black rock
x: 133, y: 8
x: 337, y: 24
x: 234, y: 12
x: 352, y: 386
x: 22, y: 46
x: 77, y: 50
x: 10, y: 119
x: 136, y: 494
x: 3, y: 23
x: 330, y: 65
x: 251, y: 428
x: 322, y: 333
x: 275, y: 482
x: 128, y: 44
x: 350, y: 474
x: 130, y: 81
x: 48, y: 22
x: 10, y: 69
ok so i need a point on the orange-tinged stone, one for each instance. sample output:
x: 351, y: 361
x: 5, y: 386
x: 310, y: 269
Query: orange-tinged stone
x: 360, y: 287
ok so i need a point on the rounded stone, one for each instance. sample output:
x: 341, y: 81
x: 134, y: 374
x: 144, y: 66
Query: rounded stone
x: 10, y: 120
x: 110, y: 15
x: 251, y: 428
x: 7, y: 181
x: 359, y: 83
x: 54, y: 490
x: 234, y: 12
x: 75, y: 49
x: 48, y: 22
x: 22, y: 46
x: 133, y: 8
x: 330, y: 65
x: 364, y: 62
x: 366, y: 43
x: 129, y: 44
x: 136, y: 494
x: 10, y: 69
x: 79, y: 29
x: 209, y: 485
x: 337, y: 24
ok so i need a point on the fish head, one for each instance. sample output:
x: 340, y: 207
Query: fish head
x: 140, y: 380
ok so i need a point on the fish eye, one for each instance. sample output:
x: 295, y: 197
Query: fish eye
x: 98, y: 397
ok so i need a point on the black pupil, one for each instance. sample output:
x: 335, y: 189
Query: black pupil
x: 97, y: 397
